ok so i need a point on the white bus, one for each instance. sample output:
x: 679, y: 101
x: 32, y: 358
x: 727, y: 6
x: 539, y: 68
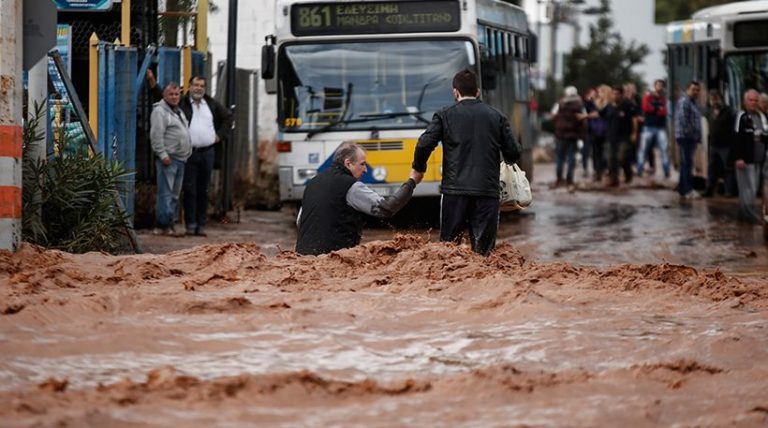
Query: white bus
x: 374, y: 72
x: 725, y: 48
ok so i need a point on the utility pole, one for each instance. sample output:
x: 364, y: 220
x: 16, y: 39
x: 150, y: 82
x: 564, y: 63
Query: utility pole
x: 229, y: 151
x: 553, y: 22
x: 539, y: 83
x: 11, y: 34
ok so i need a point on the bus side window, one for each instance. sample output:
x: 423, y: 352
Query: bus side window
x: 504, y: 50
x: 714, y: 66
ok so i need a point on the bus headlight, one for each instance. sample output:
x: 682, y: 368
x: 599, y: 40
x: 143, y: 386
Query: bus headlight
x: 307, y: 173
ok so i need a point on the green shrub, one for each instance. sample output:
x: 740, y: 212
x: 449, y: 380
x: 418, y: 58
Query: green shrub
x: 69, y: 199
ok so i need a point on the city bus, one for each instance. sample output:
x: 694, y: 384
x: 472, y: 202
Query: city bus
x: 375, y: 72
x: 725, y: 48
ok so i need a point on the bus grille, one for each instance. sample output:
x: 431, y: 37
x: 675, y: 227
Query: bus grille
x: 377, y: 146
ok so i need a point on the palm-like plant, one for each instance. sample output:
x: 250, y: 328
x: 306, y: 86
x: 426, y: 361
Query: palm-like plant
x: 69, y: 198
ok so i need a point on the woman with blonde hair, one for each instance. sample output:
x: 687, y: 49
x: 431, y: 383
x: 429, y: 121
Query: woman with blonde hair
x: 596, y: 100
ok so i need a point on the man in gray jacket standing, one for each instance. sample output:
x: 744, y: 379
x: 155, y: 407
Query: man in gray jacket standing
x: 169, y: 135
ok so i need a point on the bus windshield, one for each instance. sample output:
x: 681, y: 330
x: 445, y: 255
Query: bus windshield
x: 745, y: 71
x: 367, y: 85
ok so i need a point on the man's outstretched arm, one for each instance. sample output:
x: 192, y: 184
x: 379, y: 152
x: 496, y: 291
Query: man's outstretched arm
x: 365, y: 200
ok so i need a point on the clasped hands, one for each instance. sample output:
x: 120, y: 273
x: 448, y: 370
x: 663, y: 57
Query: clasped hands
x: 416, y: 176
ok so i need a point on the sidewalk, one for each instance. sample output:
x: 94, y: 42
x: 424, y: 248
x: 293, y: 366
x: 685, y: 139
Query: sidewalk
x: 268, y: 229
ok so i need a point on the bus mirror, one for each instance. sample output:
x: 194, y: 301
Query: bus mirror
x: 268, y: 62
x: 488, y: 74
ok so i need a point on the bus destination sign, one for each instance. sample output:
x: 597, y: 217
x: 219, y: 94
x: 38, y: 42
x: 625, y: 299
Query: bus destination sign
x: 323, y: 19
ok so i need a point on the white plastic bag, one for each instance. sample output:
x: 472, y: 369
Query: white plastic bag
x: 515, y: 189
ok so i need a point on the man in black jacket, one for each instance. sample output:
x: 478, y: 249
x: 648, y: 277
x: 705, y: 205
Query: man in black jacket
x: 721, y: 120
x: 472, y: 134
x: 209, y: 124
x: 622, y: 119
x: 749, y: 151
x: 335, y: 202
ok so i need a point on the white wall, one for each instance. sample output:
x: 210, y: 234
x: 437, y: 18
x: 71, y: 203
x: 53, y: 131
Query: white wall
x: 255, y: 20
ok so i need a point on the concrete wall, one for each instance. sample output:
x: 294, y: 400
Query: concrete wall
x: 255, y: 20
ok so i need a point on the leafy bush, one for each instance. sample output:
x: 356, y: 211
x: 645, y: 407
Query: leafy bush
x: 69, y: 199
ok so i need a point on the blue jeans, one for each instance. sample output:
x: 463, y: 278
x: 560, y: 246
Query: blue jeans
x: 565, y: 149
x: 649, y: 134
x: 687, y: 147
x: 169, y: 180
x: 197, y: 177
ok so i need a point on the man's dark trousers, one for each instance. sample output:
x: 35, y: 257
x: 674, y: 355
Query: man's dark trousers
x: 687, y: 149
x: 479, y: 214
x: 620, y: 156
x: 197, y: 177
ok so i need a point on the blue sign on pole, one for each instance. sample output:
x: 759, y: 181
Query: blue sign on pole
x: 64, y: 44
x: 84, y: 5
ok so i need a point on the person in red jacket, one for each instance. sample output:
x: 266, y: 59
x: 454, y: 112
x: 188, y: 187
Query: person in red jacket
x: 654, y: 108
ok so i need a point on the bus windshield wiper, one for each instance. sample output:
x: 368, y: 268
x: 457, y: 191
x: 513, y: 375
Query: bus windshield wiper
x: 416, y: 114
x: 368, y: 117
x: 333, y: 125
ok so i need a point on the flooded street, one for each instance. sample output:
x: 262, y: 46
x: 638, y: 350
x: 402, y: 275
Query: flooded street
x: 642, y: 223
x: 597, y: 308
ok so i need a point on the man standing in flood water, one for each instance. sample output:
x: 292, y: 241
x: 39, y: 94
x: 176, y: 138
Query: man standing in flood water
x: 335, y: 202
x: 473, y: 134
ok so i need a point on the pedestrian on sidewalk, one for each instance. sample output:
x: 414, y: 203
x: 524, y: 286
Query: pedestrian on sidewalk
x: 621, y: 117
x: 654, y: 106
x: 749, y: 152
x: 569, y: 120
x: 721, y: 124
x: 687, y: 135
x: 169, y: 136
x: 596, y: 128
x: 209, y: 124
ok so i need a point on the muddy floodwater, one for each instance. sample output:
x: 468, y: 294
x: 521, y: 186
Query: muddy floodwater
x: 597, y: 309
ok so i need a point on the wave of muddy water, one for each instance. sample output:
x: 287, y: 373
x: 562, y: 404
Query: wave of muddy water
x: 397, y: 332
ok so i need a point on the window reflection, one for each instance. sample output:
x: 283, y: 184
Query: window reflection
x: 745, y: 71
x: 392, y: 84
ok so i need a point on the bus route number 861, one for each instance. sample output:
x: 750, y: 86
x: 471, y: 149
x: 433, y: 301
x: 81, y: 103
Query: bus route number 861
x: 315, y: 16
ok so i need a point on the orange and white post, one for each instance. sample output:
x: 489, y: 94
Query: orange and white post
x: 10, y: 123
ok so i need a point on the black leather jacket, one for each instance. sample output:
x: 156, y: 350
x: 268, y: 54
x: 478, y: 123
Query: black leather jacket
x: 474, y: 137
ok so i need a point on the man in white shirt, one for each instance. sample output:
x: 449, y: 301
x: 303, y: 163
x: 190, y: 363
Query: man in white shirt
x: 209, y: 123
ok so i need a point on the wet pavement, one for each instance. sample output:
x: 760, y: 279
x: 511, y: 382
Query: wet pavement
x: 589, y: 225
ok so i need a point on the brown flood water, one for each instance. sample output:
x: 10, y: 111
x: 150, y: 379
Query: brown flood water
x: 395, y: 332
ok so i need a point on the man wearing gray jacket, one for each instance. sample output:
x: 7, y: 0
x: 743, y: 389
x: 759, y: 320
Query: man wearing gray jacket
x: 171, y: 143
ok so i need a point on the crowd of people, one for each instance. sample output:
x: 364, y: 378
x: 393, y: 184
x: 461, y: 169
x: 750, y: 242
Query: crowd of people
x: 621, y: 133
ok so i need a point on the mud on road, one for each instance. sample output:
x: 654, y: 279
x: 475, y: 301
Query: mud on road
x: 398, y: 331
